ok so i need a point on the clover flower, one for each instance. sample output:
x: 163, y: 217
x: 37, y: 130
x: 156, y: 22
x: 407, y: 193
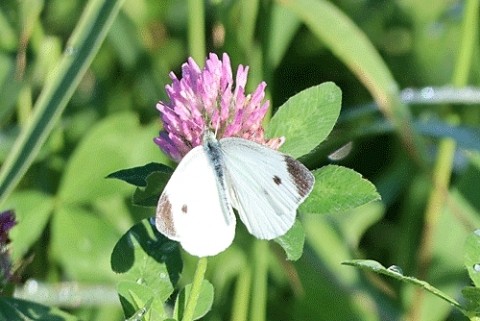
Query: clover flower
x: 7, y: 221
x: 208, y: 98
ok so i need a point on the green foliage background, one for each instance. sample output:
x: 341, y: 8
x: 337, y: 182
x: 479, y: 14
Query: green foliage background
x: 82, y: 114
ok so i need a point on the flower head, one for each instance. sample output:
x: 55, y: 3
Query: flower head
x: 7, y: 221
x: 208, y: 99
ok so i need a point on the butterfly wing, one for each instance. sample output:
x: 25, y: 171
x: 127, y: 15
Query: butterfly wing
x: 192, y: 209
x: 266, y: 186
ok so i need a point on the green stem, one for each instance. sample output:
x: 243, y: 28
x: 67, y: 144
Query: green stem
x: 196, y: 30
x: 195, y: 290
x: 441, y: 180
x: 248, y: 21
x: 259, y: 300
x: 242, y: 295
x: 468, y: 43
x: 446, y: 152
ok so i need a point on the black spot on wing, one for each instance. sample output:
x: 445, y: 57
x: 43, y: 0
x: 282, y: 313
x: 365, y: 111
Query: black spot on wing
x: 184, y: 209
x: 277, y: 180
x: 301, y: 176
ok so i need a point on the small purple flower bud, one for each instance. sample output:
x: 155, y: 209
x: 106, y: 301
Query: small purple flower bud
x: 7, y: 221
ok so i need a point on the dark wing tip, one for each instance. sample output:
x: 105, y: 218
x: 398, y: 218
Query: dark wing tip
x: 164, y: 218
x: 302, y: 177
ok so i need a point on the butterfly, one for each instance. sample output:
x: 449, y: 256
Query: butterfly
x: 263, y: 185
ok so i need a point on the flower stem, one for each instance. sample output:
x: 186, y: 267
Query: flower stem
x: 441, y: 180
x: 259, y: 300
x: 446, y: 151
x: 196, y: 30
x: 195, y: 290
x: 248, y: 19
x: 242, y: 295
x: 468, y: 43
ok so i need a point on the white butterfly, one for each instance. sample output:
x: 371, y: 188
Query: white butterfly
x: 263, y: 185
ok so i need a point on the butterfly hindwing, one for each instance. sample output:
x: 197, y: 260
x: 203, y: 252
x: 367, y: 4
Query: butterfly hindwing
x: 192, y: 210
x: 266, y: 186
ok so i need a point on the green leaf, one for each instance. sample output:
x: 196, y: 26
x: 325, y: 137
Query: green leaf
x: 32, y: 211
x: 80, y: 242
x: 138, y: 175
x: 338, y: 189
x: 82, y: 48
x: 204, y: 303
x: 396, y: 273
x: 292, y: 242
x: 140, y: 313
x: 138, y: 300
x: 20, y: 310
x: 306, y: 119
x: 149, y: 195
x: 116, y: 142
x: 147, y: 258
x: 150, y: 179
x: 472, y: 296
x: 472, y: 257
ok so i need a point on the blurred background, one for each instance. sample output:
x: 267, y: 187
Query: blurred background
x: 409, y: 123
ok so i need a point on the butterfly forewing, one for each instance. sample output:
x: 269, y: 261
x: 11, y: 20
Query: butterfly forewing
x: 191, y: 210
x: 266, y: 186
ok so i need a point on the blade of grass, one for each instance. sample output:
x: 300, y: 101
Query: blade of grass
x: 79, y: 53
x: 354, y: 49
x: 248, y: 21
x: 279, y: 34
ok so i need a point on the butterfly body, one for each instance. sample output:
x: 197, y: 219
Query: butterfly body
x: 263, y: 185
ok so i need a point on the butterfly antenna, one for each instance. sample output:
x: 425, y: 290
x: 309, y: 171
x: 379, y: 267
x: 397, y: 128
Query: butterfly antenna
x: 217, y: 126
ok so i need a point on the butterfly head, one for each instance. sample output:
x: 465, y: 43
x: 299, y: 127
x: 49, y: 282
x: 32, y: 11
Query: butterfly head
x: 208, y: 136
